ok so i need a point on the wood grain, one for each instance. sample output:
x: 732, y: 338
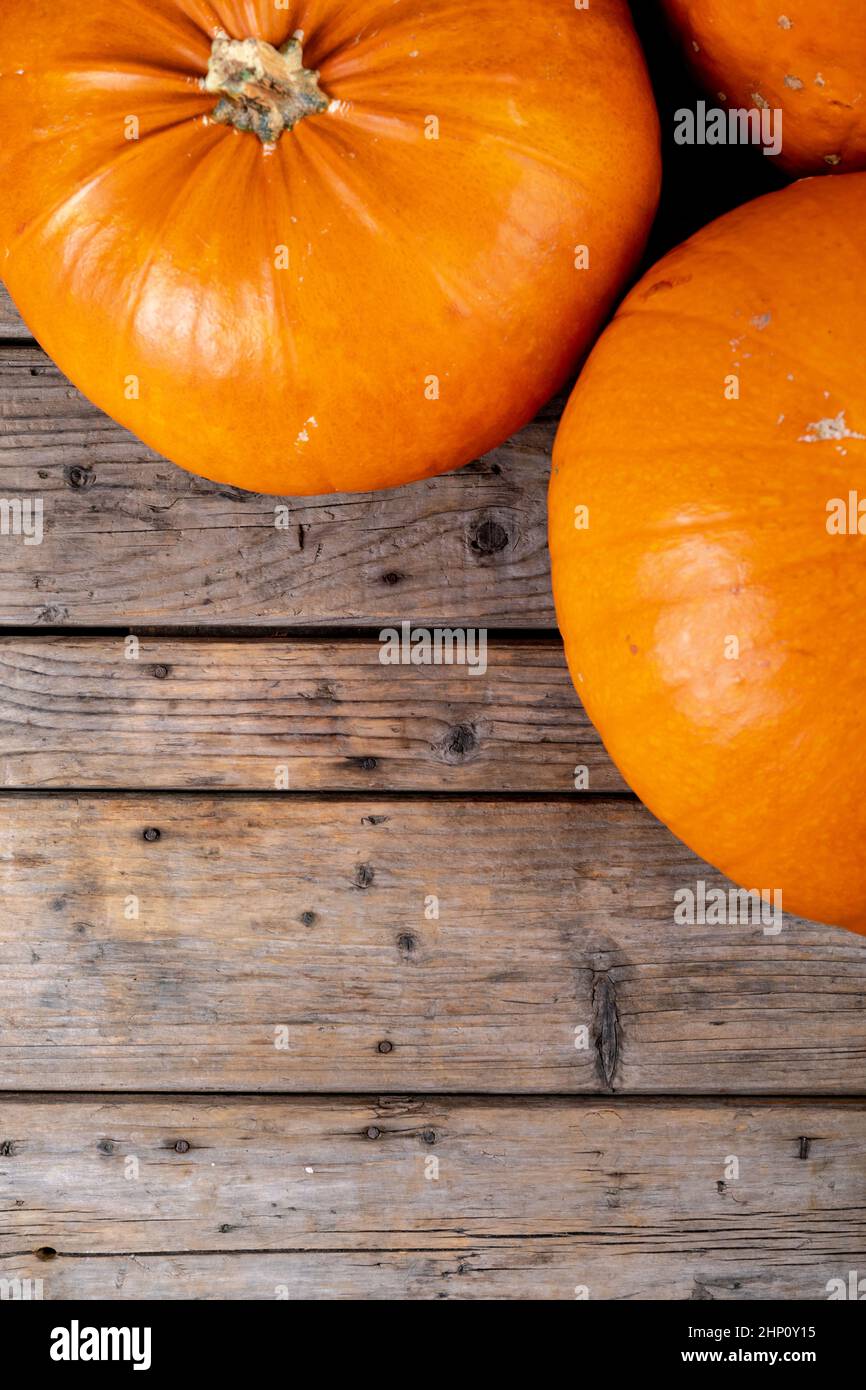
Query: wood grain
x: 533, y: 1199
x: 521, y: 1268
x: 284, y: 944
x: 11, y: 325
x: 194, y: 714
x: 268, y: 943
x: 130, y: 539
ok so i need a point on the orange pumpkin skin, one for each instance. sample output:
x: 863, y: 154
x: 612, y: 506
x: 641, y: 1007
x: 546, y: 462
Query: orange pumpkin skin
x: 714, y: 626
x: 427, y: 301
x: 803, y: 57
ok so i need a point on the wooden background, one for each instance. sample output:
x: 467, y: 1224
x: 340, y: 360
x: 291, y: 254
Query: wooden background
x: 281, y: 1078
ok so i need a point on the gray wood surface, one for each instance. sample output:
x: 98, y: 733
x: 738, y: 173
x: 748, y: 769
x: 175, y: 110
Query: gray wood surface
x: 522, y: 1268
x: 129, y: 539
x: 261, y: 914
x: 76, y: 712
x: 256, y: 951
x: 533, y: 1199
x: 11, y: 325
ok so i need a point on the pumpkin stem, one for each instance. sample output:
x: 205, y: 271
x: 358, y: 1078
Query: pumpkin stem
x: 263, y: 89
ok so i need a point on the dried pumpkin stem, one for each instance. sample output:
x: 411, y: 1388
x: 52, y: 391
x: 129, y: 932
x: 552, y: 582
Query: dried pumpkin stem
x: 264, y: 89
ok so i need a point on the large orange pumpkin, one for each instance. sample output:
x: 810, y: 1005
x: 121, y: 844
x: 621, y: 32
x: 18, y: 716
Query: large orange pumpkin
x: 336, y: 261
x: 712, y: 594
x: 806, y: 58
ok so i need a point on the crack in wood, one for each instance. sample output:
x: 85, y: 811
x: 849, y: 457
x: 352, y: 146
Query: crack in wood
x: 606, y: 1027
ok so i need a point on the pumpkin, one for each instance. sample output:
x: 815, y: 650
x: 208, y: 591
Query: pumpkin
x: 708, y: 542
x: 804, y: 58
x: 323, y: 246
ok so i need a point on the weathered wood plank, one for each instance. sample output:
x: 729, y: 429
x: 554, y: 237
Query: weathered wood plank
x: 432, y: 1197
x: 11, y: 325
x: 521, y: 1268
x: 329, y: 715
x: 290, y: 944
x: 130, y: 539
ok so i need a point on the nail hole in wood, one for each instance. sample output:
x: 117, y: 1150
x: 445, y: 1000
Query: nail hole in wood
x: 364, y: 875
